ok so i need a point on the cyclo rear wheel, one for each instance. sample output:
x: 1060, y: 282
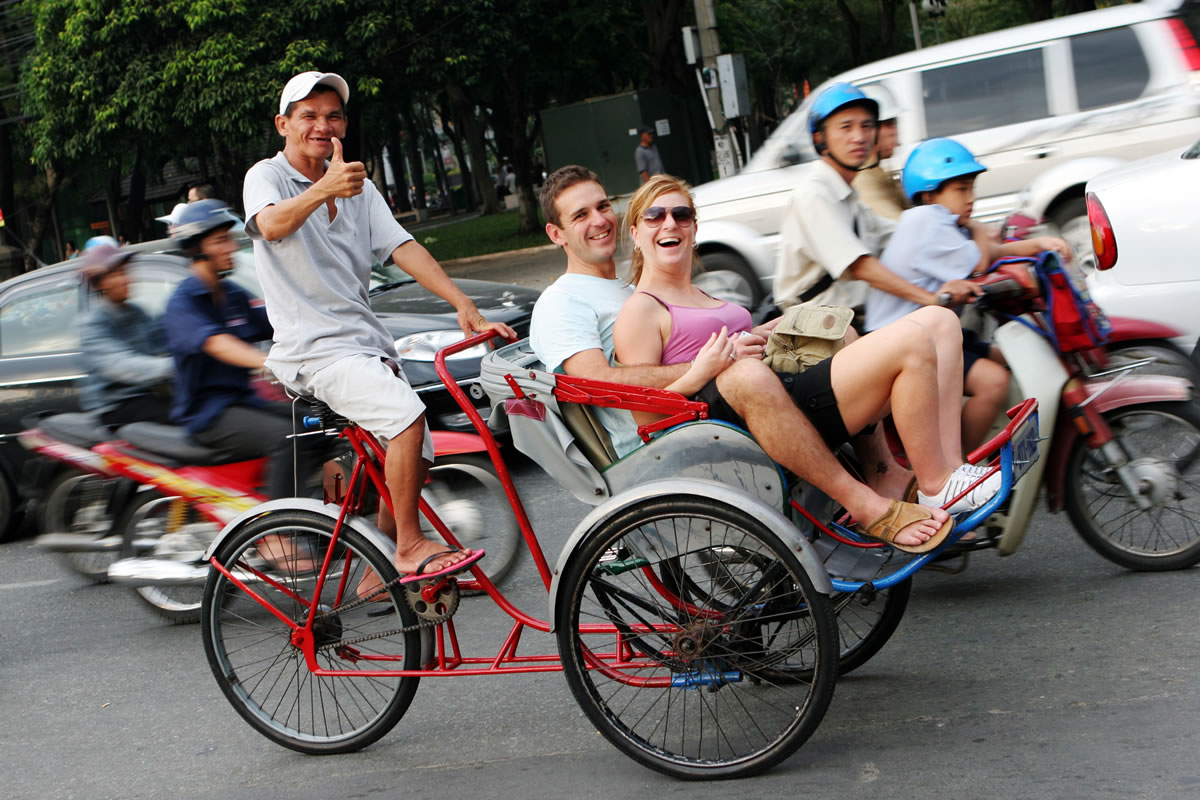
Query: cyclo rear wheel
x: 266, y: 677
x: 675, y: 619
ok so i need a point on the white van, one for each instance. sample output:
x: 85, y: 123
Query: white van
x: 1045, y: 107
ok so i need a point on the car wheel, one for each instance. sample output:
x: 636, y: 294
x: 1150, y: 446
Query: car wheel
x: 1071, y: 219
x: 727, y: 276
x: 8, y: 522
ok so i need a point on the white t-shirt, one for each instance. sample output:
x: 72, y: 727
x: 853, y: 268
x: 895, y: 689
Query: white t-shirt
x: 315, y: 281
x: 577, y: 313
x: 825, y: 229
x: 927, y: 249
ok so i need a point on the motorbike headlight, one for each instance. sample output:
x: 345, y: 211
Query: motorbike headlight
x: 423, y: 346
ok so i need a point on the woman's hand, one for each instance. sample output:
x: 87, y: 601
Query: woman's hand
x: 716, y: 354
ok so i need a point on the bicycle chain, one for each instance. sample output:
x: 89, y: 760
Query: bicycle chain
x: 427, y: 619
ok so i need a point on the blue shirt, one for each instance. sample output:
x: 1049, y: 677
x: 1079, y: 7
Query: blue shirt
x: 928, y: 249
x: 204, y: 386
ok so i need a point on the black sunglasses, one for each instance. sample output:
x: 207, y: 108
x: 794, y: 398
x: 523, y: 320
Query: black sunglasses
x: 657, y: 215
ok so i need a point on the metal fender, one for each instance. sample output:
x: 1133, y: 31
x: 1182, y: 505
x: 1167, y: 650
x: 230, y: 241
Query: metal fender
x: 1126, y: 329
x: 447, y: 443
x: 331, y: 510
x: 1050, y: 185
x: 757, y: 249
x: 1107, y: 396
x: 693, y: 487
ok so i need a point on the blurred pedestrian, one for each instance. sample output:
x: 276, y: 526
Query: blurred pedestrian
x: 200, y: 191
x: 645, y: 155
x: 71, y: 250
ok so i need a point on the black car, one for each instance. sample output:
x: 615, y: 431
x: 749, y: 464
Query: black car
x: 41, y: 361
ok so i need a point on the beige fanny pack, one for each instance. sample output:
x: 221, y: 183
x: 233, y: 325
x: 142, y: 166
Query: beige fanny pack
x: 807, y: 335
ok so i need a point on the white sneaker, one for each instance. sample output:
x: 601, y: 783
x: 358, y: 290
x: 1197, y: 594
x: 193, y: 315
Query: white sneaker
x: 957, y: 483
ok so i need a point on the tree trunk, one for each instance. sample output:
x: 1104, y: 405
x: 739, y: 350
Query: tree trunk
x: 476, y: 144
x: 439, y: 164
x: 1040, y: 9
x: 112, y: 200
x: 399, y: 173
x: 134, y: 227
x: 664, y: 47
x: 41, y: 216
x: 853, y: 31
x: 416, y: 166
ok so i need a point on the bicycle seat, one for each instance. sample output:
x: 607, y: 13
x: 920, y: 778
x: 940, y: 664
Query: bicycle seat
x: 82, y: 429
x: 170, y: 445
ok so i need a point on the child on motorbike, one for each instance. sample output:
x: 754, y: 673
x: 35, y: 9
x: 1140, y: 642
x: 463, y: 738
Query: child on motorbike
x: 937, y: 241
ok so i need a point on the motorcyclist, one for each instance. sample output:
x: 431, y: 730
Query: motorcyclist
x: 211, y: 324
x: 876, y: 187
x: 830, y: 241
x: 129, y: 370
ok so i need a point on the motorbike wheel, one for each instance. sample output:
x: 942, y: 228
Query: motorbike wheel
x: 154, y: 522
x: 77, y: 502
x: 1162, y: 444
x: 674, y: 619
x: 265, y: 676
x: 470, y: 499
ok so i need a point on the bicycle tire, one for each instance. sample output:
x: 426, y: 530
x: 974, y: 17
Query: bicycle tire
x: 720, y: 655
x: 266, y: 678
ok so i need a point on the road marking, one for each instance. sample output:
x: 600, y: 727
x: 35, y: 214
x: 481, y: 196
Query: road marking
x: 29, y: 584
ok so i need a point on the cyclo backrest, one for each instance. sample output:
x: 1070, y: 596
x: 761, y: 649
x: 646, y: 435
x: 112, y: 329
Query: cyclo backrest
x: 567, y: 440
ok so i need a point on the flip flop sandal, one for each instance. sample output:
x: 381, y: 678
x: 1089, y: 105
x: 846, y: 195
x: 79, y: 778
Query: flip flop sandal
x: 421, y: 575
x: 896, y: 518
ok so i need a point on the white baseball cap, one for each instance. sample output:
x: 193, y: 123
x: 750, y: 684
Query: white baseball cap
x: 302, y: 85
x: 171, y: 218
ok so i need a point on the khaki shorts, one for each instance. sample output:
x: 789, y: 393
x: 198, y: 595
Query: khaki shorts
x: 363, y: 389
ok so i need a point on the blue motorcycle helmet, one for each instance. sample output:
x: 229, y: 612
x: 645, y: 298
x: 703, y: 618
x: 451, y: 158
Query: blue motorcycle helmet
x: 935, y: 161
x: 832, y: 99
x: 199, y: 219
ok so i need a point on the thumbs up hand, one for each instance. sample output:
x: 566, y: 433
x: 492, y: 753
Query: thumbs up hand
x: 343, y: 178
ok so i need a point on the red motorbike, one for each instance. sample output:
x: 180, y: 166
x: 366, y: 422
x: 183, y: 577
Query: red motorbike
x: 140, y: 506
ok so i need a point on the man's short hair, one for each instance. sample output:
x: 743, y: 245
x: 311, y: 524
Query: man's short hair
x: 559, y: 181
x: 203, y: 191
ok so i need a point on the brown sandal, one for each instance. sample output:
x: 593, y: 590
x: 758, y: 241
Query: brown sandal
x: 896, y: 518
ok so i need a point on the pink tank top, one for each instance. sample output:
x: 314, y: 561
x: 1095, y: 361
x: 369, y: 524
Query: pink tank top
x: 691, y: 327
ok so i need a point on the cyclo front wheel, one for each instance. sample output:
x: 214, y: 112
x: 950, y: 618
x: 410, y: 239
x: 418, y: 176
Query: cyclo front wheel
x: 266, y: 677
x: 675, y: 619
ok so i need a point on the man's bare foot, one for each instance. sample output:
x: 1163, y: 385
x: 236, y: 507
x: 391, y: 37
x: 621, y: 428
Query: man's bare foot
x: 912, y: 535
x: 411, y: 557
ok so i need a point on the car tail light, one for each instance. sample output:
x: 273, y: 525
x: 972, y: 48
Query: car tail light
x: 1187, y: 43
x: 1104, y: 243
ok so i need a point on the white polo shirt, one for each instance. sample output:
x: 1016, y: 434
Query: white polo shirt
x: 817, y: 237
x: 316, y: 280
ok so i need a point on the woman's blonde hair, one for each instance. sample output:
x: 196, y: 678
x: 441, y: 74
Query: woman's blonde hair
x: 642, y: 199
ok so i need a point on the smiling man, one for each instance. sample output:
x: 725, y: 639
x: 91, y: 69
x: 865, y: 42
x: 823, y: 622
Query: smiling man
x: 318, y: 226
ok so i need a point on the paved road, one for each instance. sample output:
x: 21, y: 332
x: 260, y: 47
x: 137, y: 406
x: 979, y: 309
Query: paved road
x: 535, y: 268
x: 1050, y: 674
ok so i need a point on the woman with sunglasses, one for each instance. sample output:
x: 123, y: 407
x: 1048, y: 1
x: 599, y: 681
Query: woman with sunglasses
x: 911, y: 368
